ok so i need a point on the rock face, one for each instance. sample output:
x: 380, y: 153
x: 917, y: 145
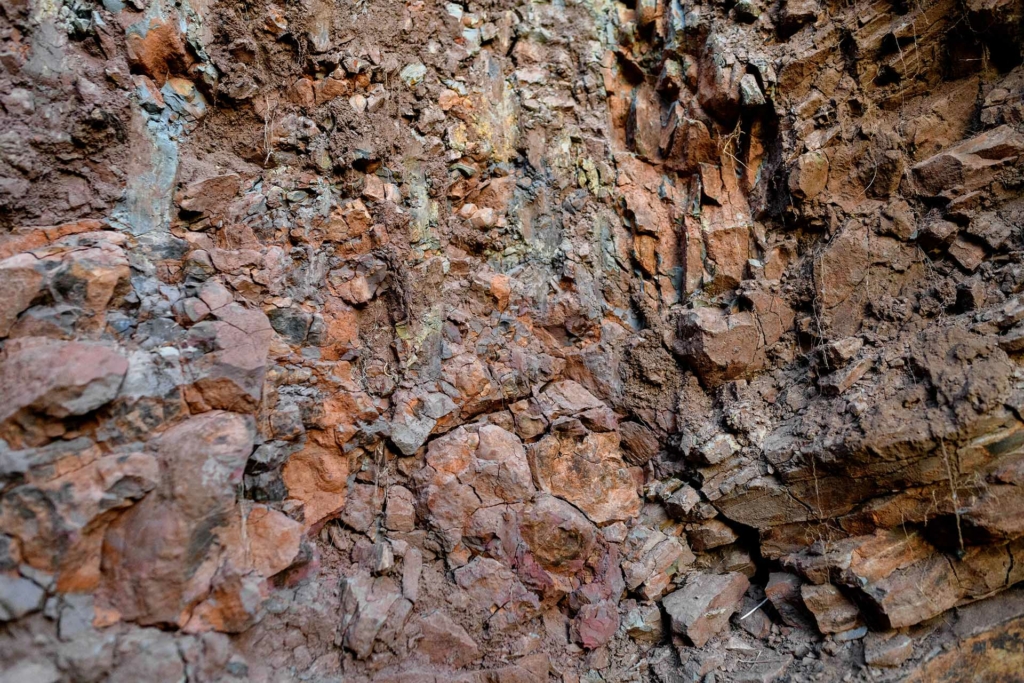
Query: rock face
x: 493, y: 342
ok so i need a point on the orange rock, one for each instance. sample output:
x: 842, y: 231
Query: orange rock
x: 158, y: 48
x: 589, y: 473
x: 316, y: 476
x: 272, y: 540
x: 303, y: 92
x: 501, y: 289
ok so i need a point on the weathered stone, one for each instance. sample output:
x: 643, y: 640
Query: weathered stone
x: 60, y: 521
x: 58, y: 378
x: 967, y: 254
x: 400, y: 512
x: 272, y: 540
x: 20, y: 284
x: 702, y: 607
x: 887, y: 649
x: 560, y: 538
x: 365, y: 603
x: 644, y: 623
x: 595, y: 625
x: 970, y: 165
x: 445, y: 642
x: 809, y: 175
x: 229, y: 375
x: 720, y: 346
x: 566, y: 398
x: 587, y: 472
x: 989, y: 227
x: 210, y: 195
x: 639, y: 443
x: 317, y: 477
x: 710, y: 534
x: 157, y: 559
x: 832, y: 610
x: 783, y: 589
x: 466, y: 469
x: 158, y: 48
x: 18, y: 597
x: 530, y: 420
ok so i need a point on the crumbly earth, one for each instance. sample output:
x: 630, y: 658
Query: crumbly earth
x: 502, y: 342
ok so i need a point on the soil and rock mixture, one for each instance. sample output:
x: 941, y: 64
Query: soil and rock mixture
x: 508, y: 342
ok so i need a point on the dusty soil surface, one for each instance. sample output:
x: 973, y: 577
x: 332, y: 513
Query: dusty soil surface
x: 511, y: 341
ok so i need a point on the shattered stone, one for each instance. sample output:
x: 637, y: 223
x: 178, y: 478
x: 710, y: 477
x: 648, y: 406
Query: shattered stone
x: 702, y: 607
x: 832, y: 610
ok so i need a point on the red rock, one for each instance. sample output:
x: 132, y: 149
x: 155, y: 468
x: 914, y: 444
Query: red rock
x: 230, y: 376
x: 158, y: 559
x: 445, y: 642
x: 587, y: 472
x: 918, y: 592
x: 60, y: 520
x: 58, y: 378
x: 710, y: 534
x: 887, y: 649
x: 400, y: 513
x: 560, y: 538
x: 639, y: 443
x: 566, y: 398
x: 967, y: 254
x: 783, y: 590
x: 469, y: 468
x: 158, y: 48
x: 365, y: 604
x: 20, y: 284
x: 969, y: 165
x: 720, y: 346
x: 210, y: 195
x: 595, y: 625
x: 273, y: 540
x: 529, y: 418
x: 702, y: 607
x: 809, y: 175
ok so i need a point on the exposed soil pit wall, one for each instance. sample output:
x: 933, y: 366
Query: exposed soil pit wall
x: 511, y: 342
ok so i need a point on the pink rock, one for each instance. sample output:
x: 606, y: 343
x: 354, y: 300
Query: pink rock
x: 595, y: 625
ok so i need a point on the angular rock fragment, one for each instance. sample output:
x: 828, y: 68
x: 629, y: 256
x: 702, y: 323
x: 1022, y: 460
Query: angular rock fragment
x: 783, y: 589
x: 887, y: 650
x: 445, y: 642
x: 365, y: 603
x: 832, y: 610
x: 702, y: 607
x: 58, y: 378
x: 720, y: 346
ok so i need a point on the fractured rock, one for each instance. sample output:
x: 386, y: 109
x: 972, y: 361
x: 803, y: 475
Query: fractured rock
x: 58, y: 378
x: 832, y: 610
x: 365, y: 604
x: 702, y: 607
x: 589, y: 473
x: 445, y: 642
x: 720, y: 346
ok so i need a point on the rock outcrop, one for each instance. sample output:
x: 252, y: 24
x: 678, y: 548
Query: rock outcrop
x: 656, y: 341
